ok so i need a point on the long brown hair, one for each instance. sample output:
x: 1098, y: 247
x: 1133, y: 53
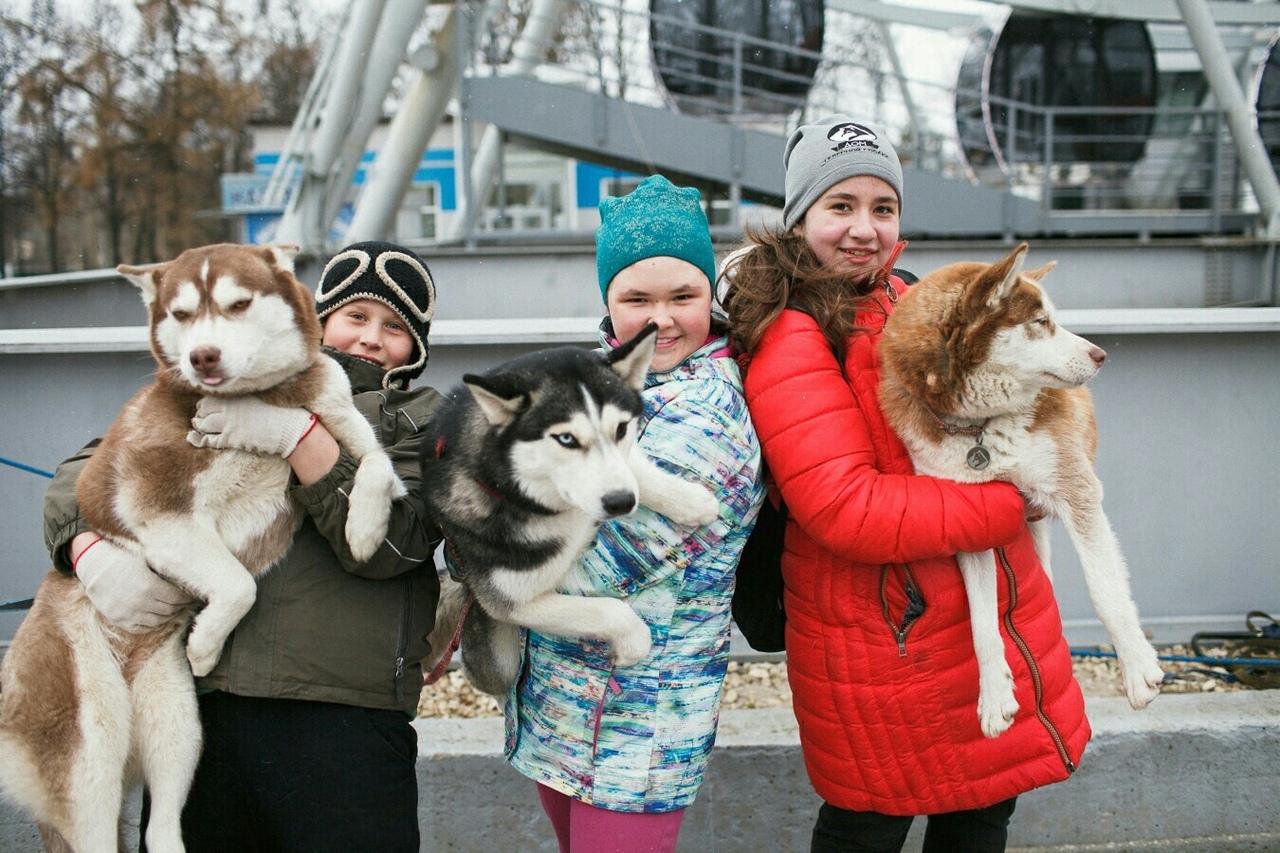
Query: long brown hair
x: 778, y: 270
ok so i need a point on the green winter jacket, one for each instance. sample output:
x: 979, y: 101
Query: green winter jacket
x: 325, y: 628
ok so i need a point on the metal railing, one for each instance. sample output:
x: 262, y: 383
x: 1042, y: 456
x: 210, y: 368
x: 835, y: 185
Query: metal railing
x: 1110, y: 159
x: 1075, y: 162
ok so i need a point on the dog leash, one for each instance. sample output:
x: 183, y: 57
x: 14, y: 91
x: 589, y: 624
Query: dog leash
x: 24, y: 467
x: 1251, y: 658
x: 438, y: 671
x: 1255, y: 660
x: 22, y: 603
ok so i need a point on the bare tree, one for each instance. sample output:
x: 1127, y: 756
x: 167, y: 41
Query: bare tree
x: 9, y: 69
x: 108, y: 164
x: 195, y: 98
x: 289, y: 62
x: 47, y: 115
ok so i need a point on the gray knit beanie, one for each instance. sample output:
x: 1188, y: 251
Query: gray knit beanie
x: 822, y: 154
x: 394, y: 276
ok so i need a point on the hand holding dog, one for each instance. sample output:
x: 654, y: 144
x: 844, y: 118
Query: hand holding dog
x: 125, y: 591
x: 247, y: 423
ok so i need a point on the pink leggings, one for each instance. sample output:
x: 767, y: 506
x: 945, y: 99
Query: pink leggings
x: 584, y: 828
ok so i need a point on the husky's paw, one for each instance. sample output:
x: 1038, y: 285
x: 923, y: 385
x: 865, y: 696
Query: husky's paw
x: 202, y: 654
x: 996, y: 704
x: 164, y: 841
x: 685, y: 503
x: 364, y: 534
x: 375, y: 487
x: 630, y: 645
x: 1142, y: 677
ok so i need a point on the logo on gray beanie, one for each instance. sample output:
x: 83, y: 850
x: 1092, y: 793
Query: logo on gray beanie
x: 852, y: 134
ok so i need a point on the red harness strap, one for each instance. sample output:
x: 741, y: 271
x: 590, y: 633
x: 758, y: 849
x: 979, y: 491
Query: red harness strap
x: 443, y: 664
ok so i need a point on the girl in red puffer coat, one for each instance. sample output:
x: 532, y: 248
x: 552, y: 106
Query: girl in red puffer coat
x: 879, y: 649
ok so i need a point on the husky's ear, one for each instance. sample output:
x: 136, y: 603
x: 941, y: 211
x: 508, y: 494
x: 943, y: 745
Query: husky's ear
x: 145, y: 279
x: 1005, y: 275
x: 1039, y: 273
x: 631, y: 360
x: 283, y: 255
x: 500, y: 406
x: 994, y: 284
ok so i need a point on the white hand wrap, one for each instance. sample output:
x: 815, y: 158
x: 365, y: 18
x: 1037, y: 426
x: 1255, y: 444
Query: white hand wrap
x: 125, y: 591
x: 247, y: 423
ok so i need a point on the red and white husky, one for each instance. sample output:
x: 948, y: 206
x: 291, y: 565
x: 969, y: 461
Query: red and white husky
x: 88, y: 710
x: 981, y: 384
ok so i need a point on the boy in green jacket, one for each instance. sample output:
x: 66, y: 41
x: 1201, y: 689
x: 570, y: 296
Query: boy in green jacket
x: 307, y: 738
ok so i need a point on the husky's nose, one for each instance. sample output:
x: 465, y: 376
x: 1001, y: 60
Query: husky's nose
x: 618, y: 503
x: 1098, y: 354
x: 206, y: 359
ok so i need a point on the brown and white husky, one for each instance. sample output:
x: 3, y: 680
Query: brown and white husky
x: 981, y: 384
x: 88, y: 710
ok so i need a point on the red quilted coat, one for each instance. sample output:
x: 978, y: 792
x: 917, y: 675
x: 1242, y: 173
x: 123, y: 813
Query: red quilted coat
x: 879, y: 649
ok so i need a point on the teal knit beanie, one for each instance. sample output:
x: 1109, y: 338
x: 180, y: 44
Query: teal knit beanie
x: 656, y: 219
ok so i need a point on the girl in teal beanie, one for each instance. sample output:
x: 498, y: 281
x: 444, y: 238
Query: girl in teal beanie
x: 618, y: 754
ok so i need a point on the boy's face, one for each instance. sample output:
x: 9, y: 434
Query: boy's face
x: 673, y: 293
x: 368, y: 329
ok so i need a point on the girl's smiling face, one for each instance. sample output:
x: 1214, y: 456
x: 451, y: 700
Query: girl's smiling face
x: 854, y: 223
x: 368, y: 329
x: 671, y: 292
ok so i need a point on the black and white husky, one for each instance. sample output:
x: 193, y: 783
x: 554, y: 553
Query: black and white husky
x: 524, y: 462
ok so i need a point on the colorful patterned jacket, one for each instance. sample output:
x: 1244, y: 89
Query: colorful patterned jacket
x: 638, y: 739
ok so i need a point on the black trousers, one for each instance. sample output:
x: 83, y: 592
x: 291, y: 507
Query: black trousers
x: 278, y: 775
x: 978, y: 831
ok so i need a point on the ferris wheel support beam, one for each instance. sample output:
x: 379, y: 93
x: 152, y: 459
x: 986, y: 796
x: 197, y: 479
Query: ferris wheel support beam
x: 415, y: 121
x: 1239, y: 114
x: 352, y: 112
x: 302, y: 219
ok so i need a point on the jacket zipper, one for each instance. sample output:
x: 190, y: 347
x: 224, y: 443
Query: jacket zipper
x: 1032, y: 666
x: 402, y: 641
x: 610, y: 688
x: 914, y: 609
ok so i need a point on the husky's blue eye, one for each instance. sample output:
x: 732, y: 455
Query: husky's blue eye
x: 565, y: 439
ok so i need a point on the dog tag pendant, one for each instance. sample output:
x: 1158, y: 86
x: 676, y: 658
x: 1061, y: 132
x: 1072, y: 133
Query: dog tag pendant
x: 978, y: 457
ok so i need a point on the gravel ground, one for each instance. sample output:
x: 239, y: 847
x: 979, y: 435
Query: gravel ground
x: 764, y: 685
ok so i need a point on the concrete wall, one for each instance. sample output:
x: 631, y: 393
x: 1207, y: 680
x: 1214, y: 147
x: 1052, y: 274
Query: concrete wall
x: 1188, y: 453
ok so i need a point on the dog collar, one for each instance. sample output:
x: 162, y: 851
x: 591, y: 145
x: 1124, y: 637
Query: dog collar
x: 978, y: 456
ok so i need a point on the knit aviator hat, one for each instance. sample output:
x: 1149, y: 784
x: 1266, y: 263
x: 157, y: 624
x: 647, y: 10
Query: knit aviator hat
x: 820, y: 155
x: 394, y: 276
x: 656, y: 219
